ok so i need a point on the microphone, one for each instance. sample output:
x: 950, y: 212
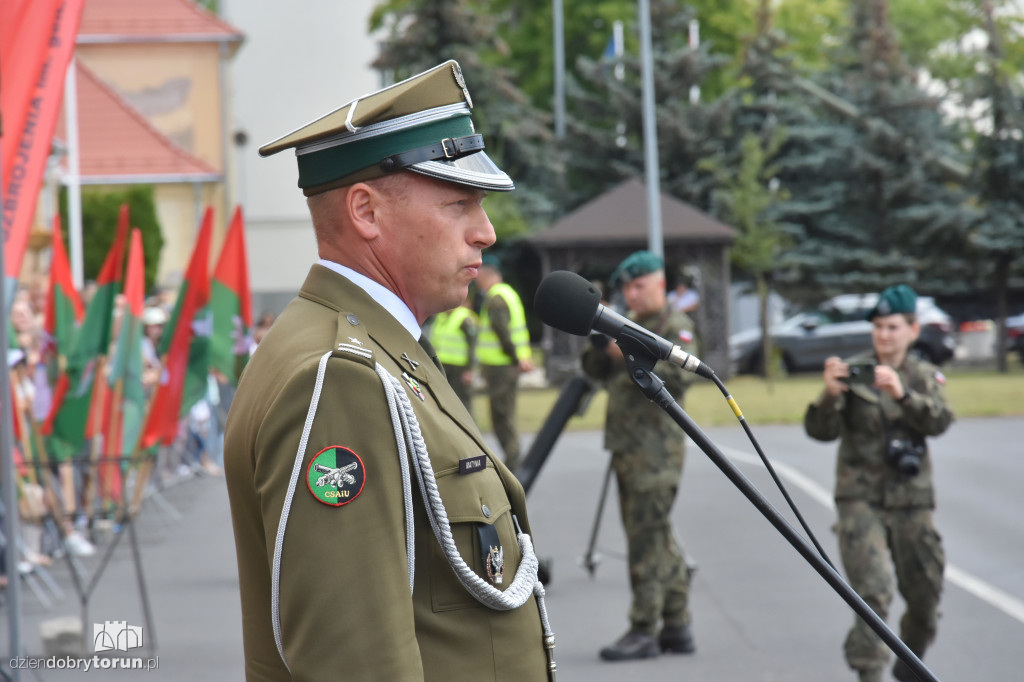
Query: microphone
x: 567, y: 302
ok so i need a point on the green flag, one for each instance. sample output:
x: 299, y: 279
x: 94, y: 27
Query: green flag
x: 70, y: 420
x: 232, y: 304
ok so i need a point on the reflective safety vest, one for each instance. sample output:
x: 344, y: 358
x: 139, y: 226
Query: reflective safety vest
x: 446, y: 335
x: 488, y: 348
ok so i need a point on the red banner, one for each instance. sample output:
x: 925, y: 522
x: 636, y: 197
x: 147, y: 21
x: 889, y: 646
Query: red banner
x: 37, y: 39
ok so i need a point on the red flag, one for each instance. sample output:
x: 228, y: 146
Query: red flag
x: 164, y: 412
x: 63, y: 304
x: 15, y: 422
x: 37, y: 40
x: 232, y: 303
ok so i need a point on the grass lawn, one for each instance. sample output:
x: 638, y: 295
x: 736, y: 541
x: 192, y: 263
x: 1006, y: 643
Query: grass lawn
x: 972, y: 393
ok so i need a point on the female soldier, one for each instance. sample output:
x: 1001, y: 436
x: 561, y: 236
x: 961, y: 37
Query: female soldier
x: 881, y: 405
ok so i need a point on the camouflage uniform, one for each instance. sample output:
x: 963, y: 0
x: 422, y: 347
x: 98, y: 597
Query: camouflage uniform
x: 647, y: 456
x: 883, y: 511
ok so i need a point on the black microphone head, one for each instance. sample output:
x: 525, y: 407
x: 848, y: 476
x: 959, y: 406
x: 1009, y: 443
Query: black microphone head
x: 566, y: 301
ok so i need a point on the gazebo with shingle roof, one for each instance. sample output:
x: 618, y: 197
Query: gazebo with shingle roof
x: 593, y: 240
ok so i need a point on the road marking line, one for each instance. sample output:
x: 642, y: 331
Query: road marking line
x: 990, y: 594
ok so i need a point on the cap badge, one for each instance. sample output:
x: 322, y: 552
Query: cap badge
x: 414, y: 385
x: 335, y: 476
x: 461, y: 80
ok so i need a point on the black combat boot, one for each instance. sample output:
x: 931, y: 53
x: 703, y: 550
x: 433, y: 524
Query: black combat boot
x: 633, y: 645
x: 676, y: 639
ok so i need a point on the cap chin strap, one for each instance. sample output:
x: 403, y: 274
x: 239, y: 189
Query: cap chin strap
x: 448, y: 149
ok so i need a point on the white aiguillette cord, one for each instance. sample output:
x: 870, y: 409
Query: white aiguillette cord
x: 408, y: 435
x: 525, y: 582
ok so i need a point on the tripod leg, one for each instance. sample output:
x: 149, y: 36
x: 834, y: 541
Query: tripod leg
x: 589, y: 560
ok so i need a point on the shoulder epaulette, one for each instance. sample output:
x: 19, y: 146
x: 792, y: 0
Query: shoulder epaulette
x: 352, y: 340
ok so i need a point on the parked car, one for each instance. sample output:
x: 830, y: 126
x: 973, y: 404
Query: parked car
x: 837, y: 327
x: 1015, y: 335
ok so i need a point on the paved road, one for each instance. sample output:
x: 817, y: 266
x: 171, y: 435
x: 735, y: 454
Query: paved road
x: 760, y: 612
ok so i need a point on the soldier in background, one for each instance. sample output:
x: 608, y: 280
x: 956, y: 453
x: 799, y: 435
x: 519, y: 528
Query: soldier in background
x: 503, y: 351
x: 881, y: 405
x: 647, y: 456
x: 453, y: 335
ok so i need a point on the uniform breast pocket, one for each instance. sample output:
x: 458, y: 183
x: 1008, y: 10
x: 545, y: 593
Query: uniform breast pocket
x: 480, y: 516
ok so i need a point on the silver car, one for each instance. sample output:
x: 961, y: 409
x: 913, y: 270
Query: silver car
x: 837, y: 327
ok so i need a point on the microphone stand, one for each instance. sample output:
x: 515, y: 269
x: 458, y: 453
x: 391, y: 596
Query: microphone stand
x: 641, y: 355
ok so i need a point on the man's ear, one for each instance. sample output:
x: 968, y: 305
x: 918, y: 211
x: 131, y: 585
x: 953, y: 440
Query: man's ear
x: 363, y: 203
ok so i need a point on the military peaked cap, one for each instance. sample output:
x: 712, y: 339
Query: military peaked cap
x: 421, y: 124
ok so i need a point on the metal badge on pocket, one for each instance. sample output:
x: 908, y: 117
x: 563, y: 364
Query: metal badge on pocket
x: 492, y: 552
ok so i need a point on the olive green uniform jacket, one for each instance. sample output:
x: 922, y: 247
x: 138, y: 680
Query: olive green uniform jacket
x: 346, y: 611
x: 865, y: 419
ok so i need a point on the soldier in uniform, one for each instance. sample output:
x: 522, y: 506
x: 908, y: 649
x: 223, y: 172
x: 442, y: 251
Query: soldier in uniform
x: 453, y: 334
x: 377, y: 537
x: 881, y: 404
x: 647, y: 457
x: 503, y: 351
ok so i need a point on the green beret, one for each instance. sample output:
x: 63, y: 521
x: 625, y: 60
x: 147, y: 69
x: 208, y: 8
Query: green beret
x: 422, y: 124
x: 636, y: 265
x: 893, y: 301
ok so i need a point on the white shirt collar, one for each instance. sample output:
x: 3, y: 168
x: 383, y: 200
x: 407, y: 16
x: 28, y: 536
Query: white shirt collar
x: 386, y: 298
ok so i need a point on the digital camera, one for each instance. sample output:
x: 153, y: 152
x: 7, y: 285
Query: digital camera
x: 860, y: 373
x: 906, y: 455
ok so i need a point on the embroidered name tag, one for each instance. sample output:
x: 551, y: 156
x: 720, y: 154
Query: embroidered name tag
x: 471, y: 465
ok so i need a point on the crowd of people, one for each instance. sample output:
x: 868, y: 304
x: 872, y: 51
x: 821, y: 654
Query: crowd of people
x: 64, y: 503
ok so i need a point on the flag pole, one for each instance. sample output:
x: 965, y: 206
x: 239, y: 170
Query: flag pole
x: 72, y: 180
x: 559, y: 40
x: 9, y: 488
x: 652, y: 173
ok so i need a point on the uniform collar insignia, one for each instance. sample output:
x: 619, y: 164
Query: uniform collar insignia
x: 412, y: 363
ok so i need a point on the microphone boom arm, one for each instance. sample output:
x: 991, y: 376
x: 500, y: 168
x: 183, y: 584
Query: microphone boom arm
x: 640, y: 361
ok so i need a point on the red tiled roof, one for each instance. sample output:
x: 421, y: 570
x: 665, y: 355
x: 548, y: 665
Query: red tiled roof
x: 142, y: 20
x: 117, y: 144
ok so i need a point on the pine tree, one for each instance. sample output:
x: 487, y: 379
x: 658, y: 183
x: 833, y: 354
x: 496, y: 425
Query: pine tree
x: 998, y: 237
x: 519, y: 137
x: 872, y: 200
x: 605, y: 141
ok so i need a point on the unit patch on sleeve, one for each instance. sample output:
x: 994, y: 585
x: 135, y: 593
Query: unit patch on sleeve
x: 335, y: 475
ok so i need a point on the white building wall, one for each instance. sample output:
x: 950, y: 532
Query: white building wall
x: 299, y: 61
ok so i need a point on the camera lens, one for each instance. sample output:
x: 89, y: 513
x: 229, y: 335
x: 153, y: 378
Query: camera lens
x: 909, y: 464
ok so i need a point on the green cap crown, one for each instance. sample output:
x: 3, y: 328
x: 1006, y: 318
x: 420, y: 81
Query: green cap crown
x: 635, y: 265
x: 422, y: 124
x: 894, y: 300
